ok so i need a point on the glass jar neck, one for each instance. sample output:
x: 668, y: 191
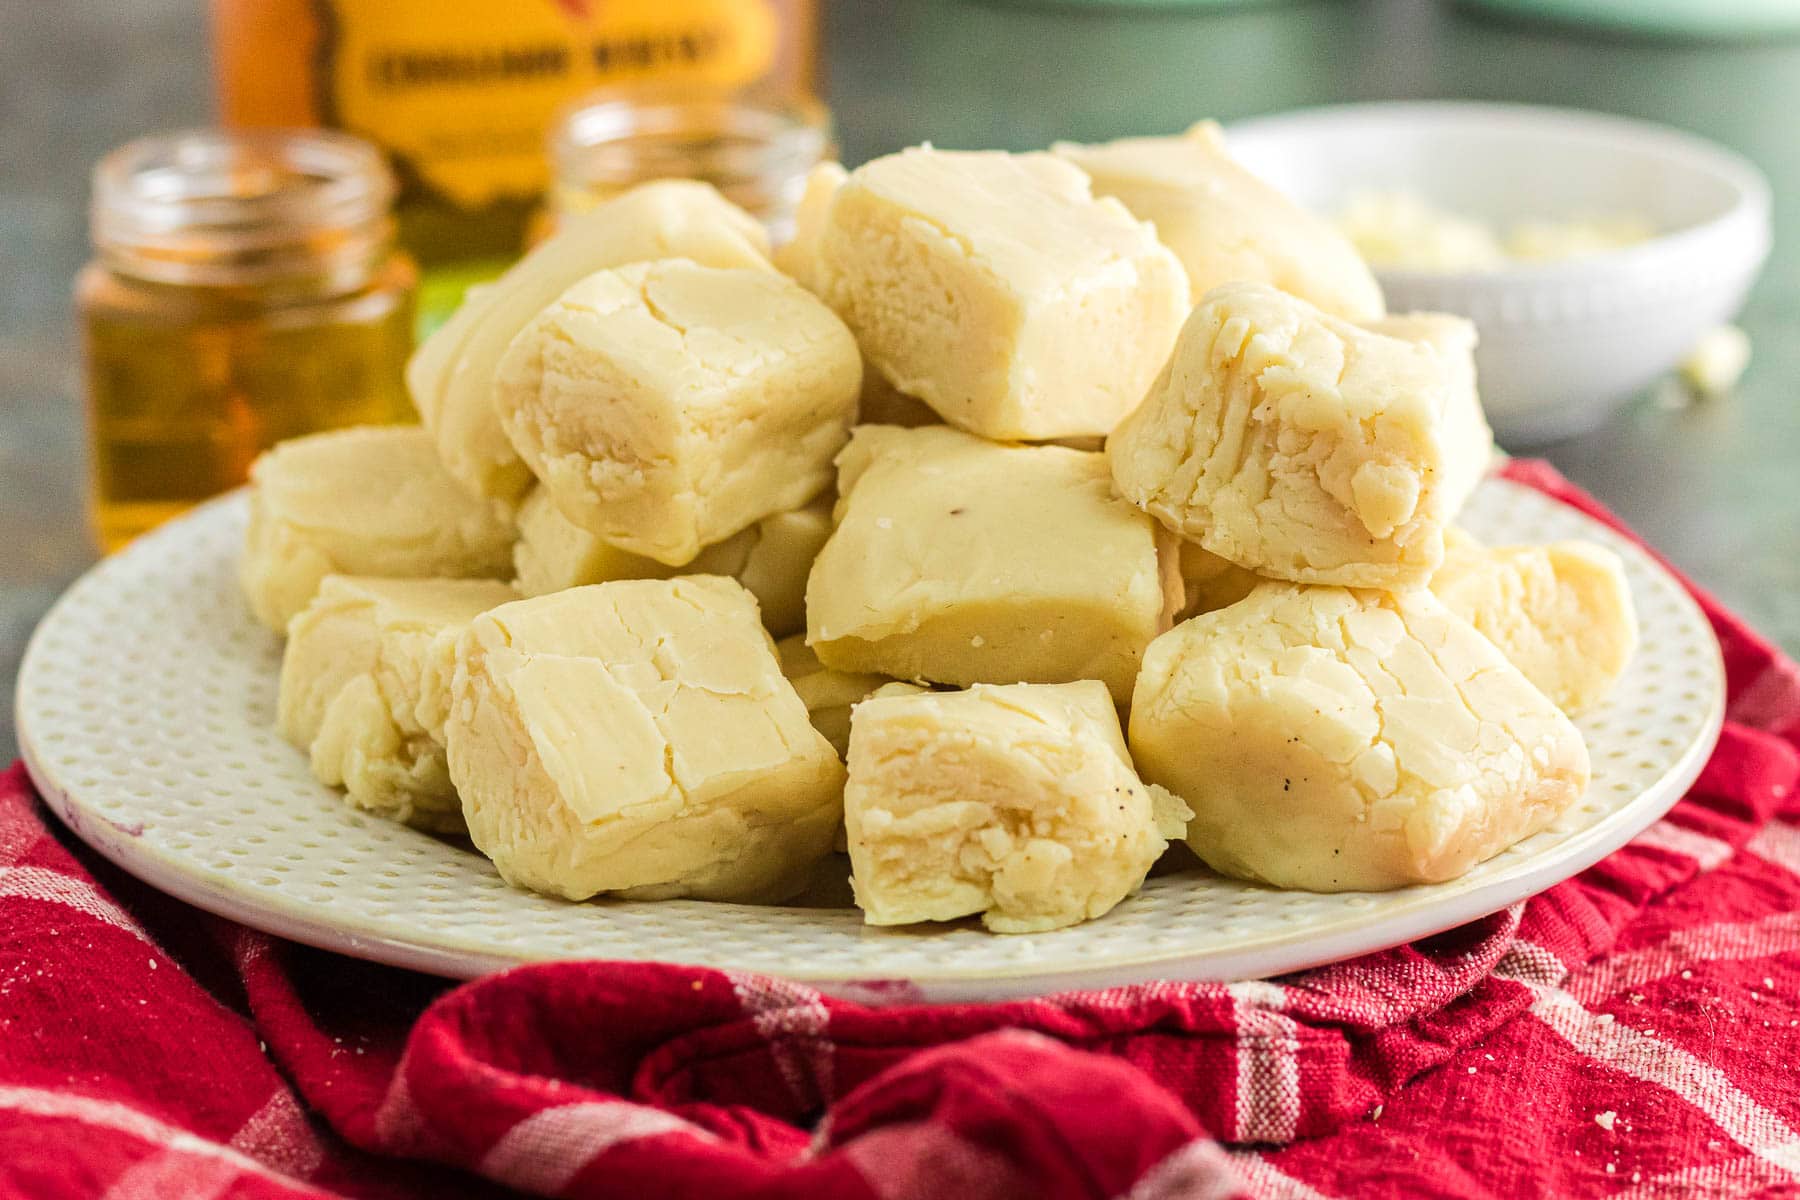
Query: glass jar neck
x: 302, y: 212
x: 756, y: 149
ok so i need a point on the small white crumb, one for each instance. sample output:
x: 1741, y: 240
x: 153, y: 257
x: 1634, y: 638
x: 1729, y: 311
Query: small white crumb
x: 1717, y: 361
x: 884, y: 522
x: 1610, y: 1168
x: 1471, y: 1070
x: 1489, y: 1057
x: 1636, y: 997
x: 1603, y: 1018
x: 153, y: 964
x: 1768, y: 983
x: 1605, y: 1120
x: 1636, y: 1176
x: 1376, y: 1115
x: 1687, y: 974
x: 978, y: 641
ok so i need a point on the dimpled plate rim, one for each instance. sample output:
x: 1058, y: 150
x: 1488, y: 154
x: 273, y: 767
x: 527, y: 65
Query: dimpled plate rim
x: 145, y: 707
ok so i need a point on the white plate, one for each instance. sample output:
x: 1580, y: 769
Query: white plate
x: 146, y: 705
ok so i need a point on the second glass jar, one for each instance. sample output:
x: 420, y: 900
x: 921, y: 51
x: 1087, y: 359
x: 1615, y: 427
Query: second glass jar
x: 245, y: 289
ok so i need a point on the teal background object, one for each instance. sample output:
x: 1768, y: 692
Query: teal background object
x: 1704, y: 19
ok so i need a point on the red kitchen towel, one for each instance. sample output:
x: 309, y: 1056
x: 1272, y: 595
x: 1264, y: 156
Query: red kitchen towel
x: 1630, y: 1032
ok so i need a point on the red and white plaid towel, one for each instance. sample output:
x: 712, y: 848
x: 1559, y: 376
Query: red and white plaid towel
x: 1631, y: 1032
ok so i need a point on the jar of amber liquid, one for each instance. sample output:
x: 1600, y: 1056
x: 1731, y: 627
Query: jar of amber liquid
x: 756, y: 147
x: 245, y: 289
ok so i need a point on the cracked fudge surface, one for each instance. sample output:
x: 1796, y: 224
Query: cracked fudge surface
x: 451, y: 374
x: 1016, y: 802
x: 353, y: 690
x: 1340, y: 740
x: 1303, y: 447
x: 638, y: 737
x: 664, y: 406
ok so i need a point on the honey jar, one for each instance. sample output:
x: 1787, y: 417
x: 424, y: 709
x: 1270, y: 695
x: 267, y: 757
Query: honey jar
x: 245, y: 288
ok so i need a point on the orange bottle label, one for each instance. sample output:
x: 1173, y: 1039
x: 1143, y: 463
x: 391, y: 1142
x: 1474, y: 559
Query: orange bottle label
x: 462, y: 92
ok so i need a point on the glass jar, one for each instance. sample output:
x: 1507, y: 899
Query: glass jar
x: 755, y: 147
x: 245, y: 289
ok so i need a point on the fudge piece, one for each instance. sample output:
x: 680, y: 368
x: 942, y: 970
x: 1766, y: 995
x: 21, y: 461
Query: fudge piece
x: 638, y: 737
x: 1560, y: 613
x: 1225, y: 224
x: 1338, y: 740
x: 352, y: 680
x: 554, y: 554
x: 962, y: 561
x: 882, y: 403
x: 451, y: 375
x: 827, y: 694
x: 998, y: 290
x: 771, y: 558
x: 799, y: 258
x: 1016, y: 802
x: 373, y: 500
x: 1303, y: 447
x: 666, y: 405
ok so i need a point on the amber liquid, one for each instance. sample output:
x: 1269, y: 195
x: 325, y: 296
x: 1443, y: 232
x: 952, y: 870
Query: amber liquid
x: 469, y: 148
x: 186, y: 386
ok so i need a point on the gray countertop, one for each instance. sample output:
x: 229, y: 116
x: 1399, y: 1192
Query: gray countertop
x: 1715, y: 486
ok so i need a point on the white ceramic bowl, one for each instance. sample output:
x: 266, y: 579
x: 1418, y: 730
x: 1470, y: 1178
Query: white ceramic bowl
x: 1563, y: 344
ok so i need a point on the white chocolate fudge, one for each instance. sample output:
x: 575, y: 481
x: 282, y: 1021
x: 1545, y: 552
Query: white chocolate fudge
x: 771, y: 558
x: 638, y: 737
x: 664, y: 406
x: 961, y: 561
x: 1340, y: 740
x: 1015, y: 802
x: 799, y: 258
x: 451, y: 375
x: 352, y: 681
x: 882, y: 403
x: 998, y: 290
x: 828, y: 695
x: 1303, y: 447
x: 1225, y: 224
x: 1560, y: 613
x: 373, y: 500
x: 554, y: 554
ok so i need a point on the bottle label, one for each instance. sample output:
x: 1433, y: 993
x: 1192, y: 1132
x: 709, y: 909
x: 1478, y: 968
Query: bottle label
x: 462, y: 92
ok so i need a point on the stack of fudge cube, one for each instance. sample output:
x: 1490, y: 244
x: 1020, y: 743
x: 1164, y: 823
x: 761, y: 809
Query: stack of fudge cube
x: 1025, y: 514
